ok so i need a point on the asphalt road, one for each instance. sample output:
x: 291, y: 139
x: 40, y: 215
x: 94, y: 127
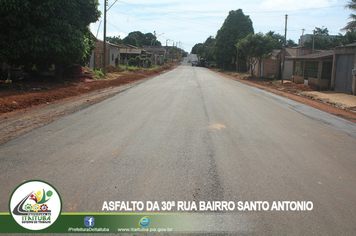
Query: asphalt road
x: 193, y: 135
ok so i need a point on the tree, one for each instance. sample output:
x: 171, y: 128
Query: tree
x: 323, y: 41
x: 349, y: 37
x: 280, y: 40
x: 291, y: 43
x: 198, y: 49
x: 235, y: 27
x: 114, y: 40
x: 206, y: 49
x: 45, y: 32
x: 138, y: 39
x: 321, y: 31
x: 256, y: 46
x: 209, y: 49
x: 351, y: 26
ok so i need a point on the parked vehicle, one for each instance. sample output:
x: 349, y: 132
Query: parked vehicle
x: 195, y: 63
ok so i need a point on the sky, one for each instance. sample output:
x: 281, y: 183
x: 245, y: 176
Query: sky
x: 188, y: 22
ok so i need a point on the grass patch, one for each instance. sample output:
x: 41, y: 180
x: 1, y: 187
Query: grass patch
x: 129, y: 67
x: 154, y: 67
x: 99, y: 75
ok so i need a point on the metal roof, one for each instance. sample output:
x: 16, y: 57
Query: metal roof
x: 351, y: 45
x: 319, y: 55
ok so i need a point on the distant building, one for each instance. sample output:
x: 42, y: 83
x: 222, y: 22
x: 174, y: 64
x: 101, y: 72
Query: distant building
x: 308, y: 37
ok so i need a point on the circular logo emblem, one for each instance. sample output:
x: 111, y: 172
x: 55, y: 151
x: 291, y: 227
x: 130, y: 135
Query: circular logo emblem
x: 35, y: 205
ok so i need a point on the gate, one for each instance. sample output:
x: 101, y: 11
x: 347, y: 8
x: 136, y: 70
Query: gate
x: 345, y: 64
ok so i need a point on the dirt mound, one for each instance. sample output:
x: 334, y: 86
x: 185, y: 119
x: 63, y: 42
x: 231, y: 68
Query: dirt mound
x: 113, y: 69
x: 293, y: 87
x: 79, y: 71
x: 22, y: 100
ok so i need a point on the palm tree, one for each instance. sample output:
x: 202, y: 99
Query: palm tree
x: 351, y: 26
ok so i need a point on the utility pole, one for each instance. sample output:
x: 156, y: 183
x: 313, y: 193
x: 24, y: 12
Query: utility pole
x: 285, y: 45
x: 237, y: 60
x: 104, y: 44
x: 313, y: 41
x: 154, y: 44
x: 172, y: 54
x: 154, y: 52
x: 126, y: 57
x: 166, y: 52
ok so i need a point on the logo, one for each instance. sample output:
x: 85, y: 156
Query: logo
x: 89, y: 221
x: 35, y: 205
x: 144, y: 221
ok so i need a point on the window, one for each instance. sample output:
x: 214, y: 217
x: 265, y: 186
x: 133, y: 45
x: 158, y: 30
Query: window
x: 311, y: 69
x: 112, y: 57
x: 327, y: 70
x: 298, y: 68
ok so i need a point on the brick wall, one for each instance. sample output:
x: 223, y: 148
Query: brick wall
x: 98, y: 55
x: 271, y: 66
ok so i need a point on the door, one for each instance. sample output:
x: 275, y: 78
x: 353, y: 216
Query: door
x: 344, y: 66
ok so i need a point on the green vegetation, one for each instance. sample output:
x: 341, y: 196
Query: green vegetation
x: 129, y: 67
x: 206, y: 49
x: 140, y: 62
x: 137, y: 39
x: 99, y: 74
x: 351, y: 26
x: 324, y: 42
x: 222, y: 49
x: 154, y: 67
x: 236, y: 26
x: 41, y: 33
x: 279, y: 44
x: 256, y: 46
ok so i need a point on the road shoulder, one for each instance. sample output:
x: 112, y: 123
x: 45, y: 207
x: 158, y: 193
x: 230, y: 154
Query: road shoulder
x: 345, y: 114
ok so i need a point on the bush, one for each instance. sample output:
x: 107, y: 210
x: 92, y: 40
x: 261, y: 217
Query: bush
x: 140, y: 62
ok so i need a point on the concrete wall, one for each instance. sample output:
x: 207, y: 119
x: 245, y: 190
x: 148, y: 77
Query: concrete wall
x: 350, y: 50
x: 313, y: 81
x: 98, y: 55
x: 324, y: 84
x: 113, y: 54
x: 298, y: 79
x: 271, y: 66
x: 288, y: 70
x: 267, y: 68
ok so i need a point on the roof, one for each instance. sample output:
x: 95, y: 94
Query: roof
x: 319, y: 55
x: 292, y: 51
x: 351, y: 45
x: 275, y: 52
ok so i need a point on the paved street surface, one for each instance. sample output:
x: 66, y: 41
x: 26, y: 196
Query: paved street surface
x: 193, y: 135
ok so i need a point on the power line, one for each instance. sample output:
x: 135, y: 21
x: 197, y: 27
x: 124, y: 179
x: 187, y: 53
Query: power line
x: 174, y: 26
x: 195, y: 11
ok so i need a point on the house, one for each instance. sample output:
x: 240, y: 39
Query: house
x: 268, y: 67
x: 112, y: 52
x: 115, y: 54
x: 333, y: 69
x: 343, y: 67
x: 288, y: 65
x: 271, y: 67
x: 313, y: 69
x: 309, y: 37
x: 129, y: 51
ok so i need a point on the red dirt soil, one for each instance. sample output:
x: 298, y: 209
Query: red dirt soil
x: 287, y: 90
x: 11, y: 101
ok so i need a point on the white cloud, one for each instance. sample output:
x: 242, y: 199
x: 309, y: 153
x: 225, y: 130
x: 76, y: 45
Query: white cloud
x: 193, y: 21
